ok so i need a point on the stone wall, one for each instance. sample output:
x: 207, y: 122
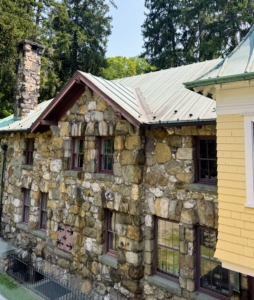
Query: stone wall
x: 153, y: 176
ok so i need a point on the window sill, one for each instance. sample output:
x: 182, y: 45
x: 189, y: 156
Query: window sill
x: 171, y: 286
x: 38, y: 233
x: 63, y: 254
x: 27, y: 167
x: 73, y: 173
x: 202, y: 296
x: 108, y: 260
x: 103, y: 176
x: 205, y: 188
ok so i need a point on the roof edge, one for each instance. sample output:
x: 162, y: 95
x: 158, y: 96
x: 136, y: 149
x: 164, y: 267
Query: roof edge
x: 181, y: 123
x: 218, y: 80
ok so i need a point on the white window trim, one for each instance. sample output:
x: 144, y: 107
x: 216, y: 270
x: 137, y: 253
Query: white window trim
x: 249, y: 159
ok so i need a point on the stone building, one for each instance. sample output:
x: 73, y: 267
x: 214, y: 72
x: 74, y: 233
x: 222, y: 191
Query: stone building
x: 115, y: 183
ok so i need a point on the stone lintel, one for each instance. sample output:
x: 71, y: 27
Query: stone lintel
x: 108, y: 260
x: 73, y: 173
x: 171, y: 286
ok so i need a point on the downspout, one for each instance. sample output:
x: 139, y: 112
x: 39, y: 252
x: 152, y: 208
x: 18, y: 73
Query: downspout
x: 4, y: 148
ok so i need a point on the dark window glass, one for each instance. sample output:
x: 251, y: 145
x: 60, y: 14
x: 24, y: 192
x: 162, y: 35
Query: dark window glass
x: 106, y: 155
x: 43, y: 212
x: 167, y: 243
x: 28, y: 153
x: 211, y: 274
x: 111, y: 235
x: 26, y: 205
x: 78, y: 153
x: 206, y: 160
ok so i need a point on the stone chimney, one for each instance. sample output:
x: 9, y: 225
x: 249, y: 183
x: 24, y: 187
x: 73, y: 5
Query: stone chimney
x: 28, y: 78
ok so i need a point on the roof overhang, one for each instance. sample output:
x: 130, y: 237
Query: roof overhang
x: 191, y: 85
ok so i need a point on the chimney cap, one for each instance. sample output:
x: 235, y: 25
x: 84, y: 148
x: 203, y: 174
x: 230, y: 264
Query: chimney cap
x: 33, y: 44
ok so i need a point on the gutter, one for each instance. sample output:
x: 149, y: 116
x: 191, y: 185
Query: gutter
x: 4, y: 148
x: 15, y: 130
x: 218, y: 80
x: 181, y: 123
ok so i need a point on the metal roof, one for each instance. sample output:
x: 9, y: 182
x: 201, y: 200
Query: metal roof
x: 154, y: 98
x: 238, y: 65
x: 10, y: 124
x: 165, y: 99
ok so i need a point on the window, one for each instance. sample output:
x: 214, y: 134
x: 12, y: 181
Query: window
x: 26, y: 205
x: 166, y: 261
x: 112, y: 219
x: 28, y: 153
x: 43, y: 211
x: 249, y: 163
x: 78, y: 153
x: 212, y: 278
x: 106, y: 155
x: 206, y: 160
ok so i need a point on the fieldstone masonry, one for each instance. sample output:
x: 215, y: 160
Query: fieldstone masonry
x: 153, y: 175
x: 28, y: 78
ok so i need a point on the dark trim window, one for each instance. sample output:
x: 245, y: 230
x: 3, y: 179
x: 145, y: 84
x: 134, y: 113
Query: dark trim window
x: 78, y: 153
x: 43, y: 211
x: 106, y: 152
x: 112, y: 218
x: 26, y: 205
x: 212, y: 278
x: 206, y: 169
x: 28, y: 153
x: 166, y: 262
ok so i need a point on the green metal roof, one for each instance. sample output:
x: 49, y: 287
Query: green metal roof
x: 237, y: 66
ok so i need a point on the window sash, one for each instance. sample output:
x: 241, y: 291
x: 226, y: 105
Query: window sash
x: 106, y: 155
x: 167, y: 252
x: 43, y: 211
x: 209, y: 269
x: 78, y: 153
x: 29, y: 151
x: 111, y: 234
x: 205, y: 163
x: 26, y: 206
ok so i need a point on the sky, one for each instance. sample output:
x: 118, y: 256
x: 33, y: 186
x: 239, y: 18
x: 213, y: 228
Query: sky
x: 126, y: 38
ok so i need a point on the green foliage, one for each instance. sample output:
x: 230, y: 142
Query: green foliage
x: 74, y: 32
x: 6, y: 281
x: 181, y: 32
x: 120, y: 66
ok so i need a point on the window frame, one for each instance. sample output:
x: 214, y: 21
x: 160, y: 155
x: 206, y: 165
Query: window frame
x: 73, y: 153
x: 249, y: 159
x: 198, y: 178
x: 208, y: 291
x: 26, y: 193
x: 155, y: 263
x: 42, y: 211
x: 29, y: 160
x: 101, y: 155
x: 108, y: 250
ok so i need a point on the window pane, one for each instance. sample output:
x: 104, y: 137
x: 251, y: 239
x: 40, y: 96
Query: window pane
x: 204, y: 169
x: 211, y: 144
x: 81, y: 146
x: 27, y: 197
x: 213, y: 169
x: 80, y: 160
x: 175, y: 235
x: 168, y: 261
x: 202, y: 149
x: 111, y: 221
x: 30, y: 145
x: 26, y: 214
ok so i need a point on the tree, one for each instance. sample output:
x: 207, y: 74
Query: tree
x: 181, y: 32
x: 120, y: 66
x: 16, y: 23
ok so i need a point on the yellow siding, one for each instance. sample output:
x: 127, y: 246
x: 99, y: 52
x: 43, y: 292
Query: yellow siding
x: 236, y: 222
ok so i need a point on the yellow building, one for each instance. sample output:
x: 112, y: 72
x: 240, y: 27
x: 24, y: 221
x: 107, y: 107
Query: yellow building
x: 231, y: 84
